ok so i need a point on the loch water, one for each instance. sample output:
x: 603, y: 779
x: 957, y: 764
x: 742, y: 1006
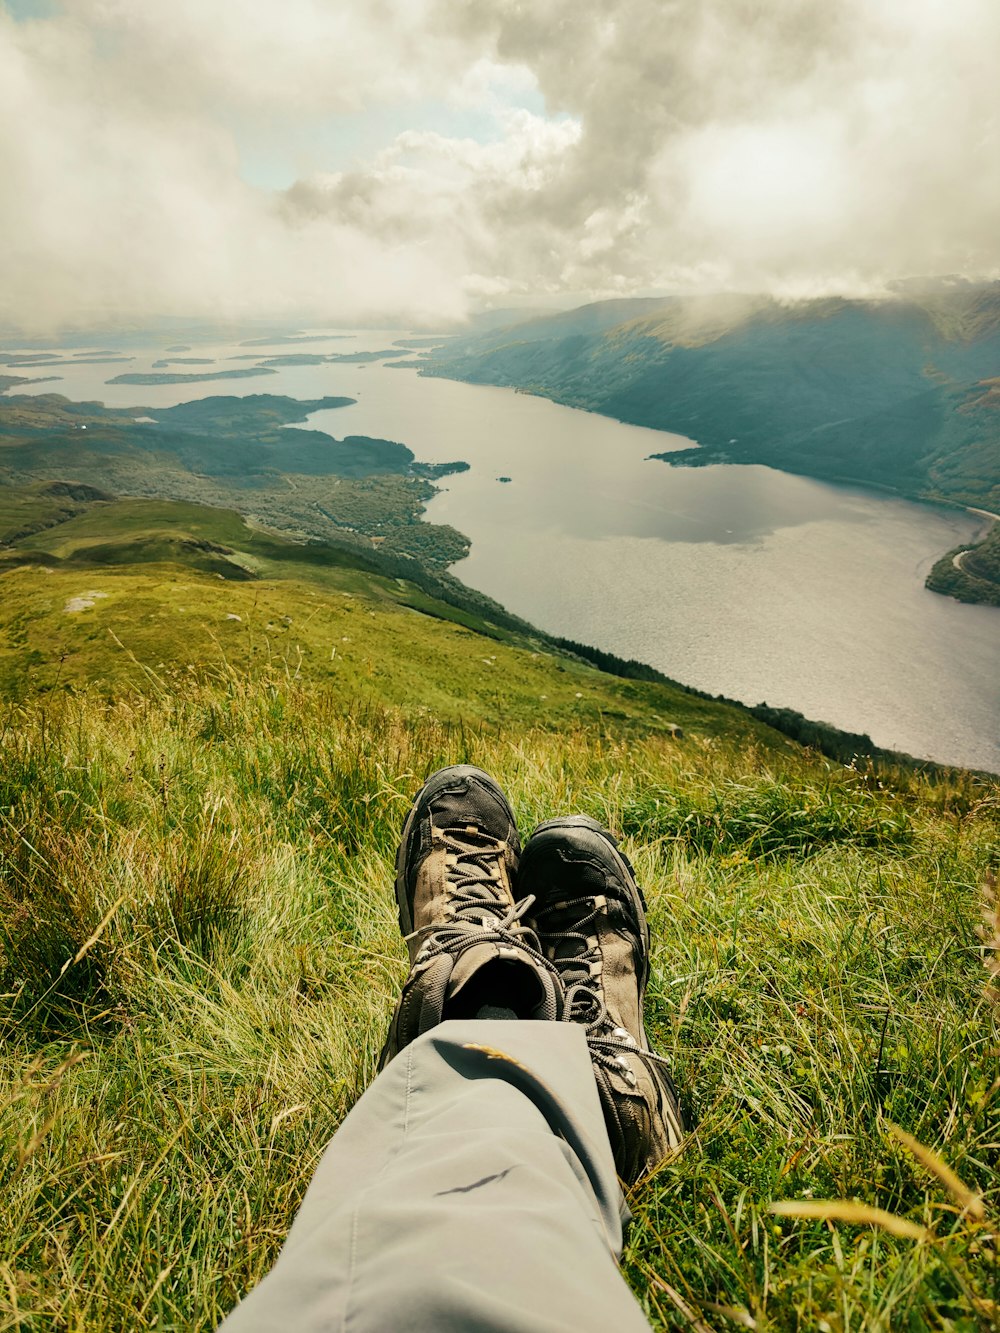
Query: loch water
x: 739, y: 580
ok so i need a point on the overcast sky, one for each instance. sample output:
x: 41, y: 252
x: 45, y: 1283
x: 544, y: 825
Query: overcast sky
x: 414, y: 159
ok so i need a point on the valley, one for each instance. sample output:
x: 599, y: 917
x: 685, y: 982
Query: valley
x: 234, y: 451
x: 740, y: 581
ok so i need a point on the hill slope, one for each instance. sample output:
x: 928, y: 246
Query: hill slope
x: 198, y: 950
x: 120, y: 594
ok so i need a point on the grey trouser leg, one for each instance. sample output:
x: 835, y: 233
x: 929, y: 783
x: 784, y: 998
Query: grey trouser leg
x: 472, y: 1187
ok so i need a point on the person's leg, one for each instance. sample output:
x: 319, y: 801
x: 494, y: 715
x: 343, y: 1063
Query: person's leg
x: 472, y: 1187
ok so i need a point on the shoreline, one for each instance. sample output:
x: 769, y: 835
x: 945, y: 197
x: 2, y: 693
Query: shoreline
x: 863, y: 484
x: 985, y: 513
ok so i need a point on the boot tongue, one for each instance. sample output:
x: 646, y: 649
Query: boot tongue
x: 469, y: 962
x: 495, y: 974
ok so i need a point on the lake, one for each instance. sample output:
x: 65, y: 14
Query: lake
x: 738, y: 580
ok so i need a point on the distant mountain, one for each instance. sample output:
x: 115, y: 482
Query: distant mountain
x: 902, y: 392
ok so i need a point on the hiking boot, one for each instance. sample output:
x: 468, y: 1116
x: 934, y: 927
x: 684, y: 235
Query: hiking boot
x: 590, y: 919
x: 470, y: 956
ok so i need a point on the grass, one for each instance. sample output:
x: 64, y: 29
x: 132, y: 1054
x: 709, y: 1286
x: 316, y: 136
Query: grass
x: 155, y: 623
x: 202, y: 781
x: 199, y: 958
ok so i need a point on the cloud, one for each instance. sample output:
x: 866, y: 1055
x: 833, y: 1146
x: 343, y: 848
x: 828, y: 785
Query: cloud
x: 122, y: 193
x: 768, y: 145
x: 263, y: 58
x: 607, y: 149
x: 459, y: 195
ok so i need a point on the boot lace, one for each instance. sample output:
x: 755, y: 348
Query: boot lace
x: 479, y: 908
x: 577, y: 957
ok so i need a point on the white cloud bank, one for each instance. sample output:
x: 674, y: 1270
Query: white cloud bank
x: 806, y: 146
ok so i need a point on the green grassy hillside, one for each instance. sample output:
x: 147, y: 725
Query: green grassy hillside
x: 120, y: 594
x: 233, y: 453
x: 202, y: 780
x: 897, y: 393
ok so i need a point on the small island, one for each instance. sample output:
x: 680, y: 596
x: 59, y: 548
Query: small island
x: 99, y: 360
x: 184, y: 361
x: 314, y: 358
x: 296, y: 359
x: 47, y: 359
x: 12, y: 381
x: 26, y: 358
x: 284, y: 339
x: 168, y: 377
x: 359, y: 358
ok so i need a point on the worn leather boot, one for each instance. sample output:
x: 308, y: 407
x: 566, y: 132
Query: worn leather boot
x: 470, y: 954
x: 590, y: 919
